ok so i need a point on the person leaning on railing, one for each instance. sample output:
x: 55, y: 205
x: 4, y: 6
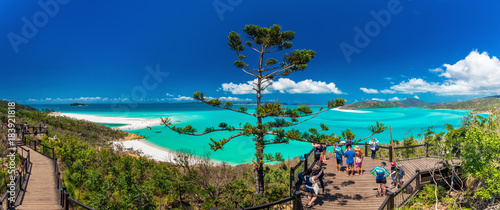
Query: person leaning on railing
x: 374, y: 147
x: 309, y: 181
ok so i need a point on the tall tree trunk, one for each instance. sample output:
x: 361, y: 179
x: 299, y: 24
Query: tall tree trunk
x: 259, y: 143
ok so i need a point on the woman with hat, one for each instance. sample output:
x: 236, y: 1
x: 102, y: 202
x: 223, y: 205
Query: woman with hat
x: 358, y: 162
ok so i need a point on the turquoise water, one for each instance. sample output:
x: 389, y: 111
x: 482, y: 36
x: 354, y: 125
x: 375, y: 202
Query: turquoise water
x: 112, y: 125
x: 404, y: 122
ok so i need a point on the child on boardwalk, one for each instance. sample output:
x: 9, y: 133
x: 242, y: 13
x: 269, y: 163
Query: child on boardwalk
x: 358, y: 161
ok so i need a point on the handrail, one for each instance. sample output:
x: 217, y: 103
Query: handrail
x: 267, y: 205
x: 63, y: 195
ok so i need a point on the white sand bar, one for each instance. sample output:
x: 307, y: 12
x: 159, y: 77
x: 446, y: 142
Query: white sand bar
x: 350, y: 110
x: 152, y: 152
x: 132, y: 123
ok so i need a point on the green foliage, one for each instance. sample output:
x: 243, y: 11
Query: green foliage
x: 347, y: 134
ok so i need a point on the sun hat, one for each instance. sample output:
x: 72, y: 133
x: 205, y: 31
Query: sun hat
x: 400, y: 165
x: 356, y: 148
x: 393, y: 163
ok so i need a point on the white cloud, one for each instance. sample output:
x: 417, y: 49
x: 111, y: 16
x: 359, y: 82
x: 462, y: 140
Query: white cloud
x: 369, y: 90
x: 387, y: 91
x: 416, y: 97
x: 378, y: 99
x: 182, y: 98
x: 234, y: 99
x: 284, y: 85
x: 477, y: 74
x: 169, y: 95
x: 388, y: 78
x: 395, y: 99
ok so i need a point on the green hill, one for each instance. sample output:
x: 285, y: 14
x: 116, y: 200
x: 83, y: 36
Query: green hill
x: 370, y: 104
x: 477, y: 104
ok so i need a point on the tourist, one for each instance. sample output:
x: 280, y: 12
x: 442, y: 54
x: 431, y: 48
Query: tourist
x: 316, y: 170
x: 318, y: 149
x: 309, y: 180
x: 393, y: 175
x: 339, y: 154
x: 349, y: 154
x: 358, y: 162
x: 400, y: 175
x: 380, y: 174
x: 374, y: 147
x: 323, y: 154
x: 40, y: 128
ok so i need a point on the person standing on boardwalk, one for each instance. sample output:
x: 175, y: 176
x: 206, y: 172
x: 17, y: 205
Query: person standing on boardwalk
x: 374, y: 147
x: 318, y: 149
x: 380, y: 174
x: 349, y: 154
x: 358, y: 161
x: 400, y: 176
x: 316, y: 170
x: 339, y: 154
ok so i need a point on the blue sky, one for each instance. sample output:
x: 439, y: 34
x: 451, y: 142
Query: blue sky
x: 60, y: 51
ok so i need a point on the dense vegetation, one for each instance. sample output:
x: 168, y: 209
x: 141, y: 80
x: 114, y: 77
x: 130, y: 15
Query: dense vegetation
x: 477, y: 104
x: 369, y: 104
x: 104, y: 178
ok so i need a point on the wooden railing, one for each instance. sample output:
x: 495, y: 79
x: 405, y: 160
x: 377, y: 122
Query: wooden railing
x: 20, y: 180
x: 65, y: 200
x: 413, y: 186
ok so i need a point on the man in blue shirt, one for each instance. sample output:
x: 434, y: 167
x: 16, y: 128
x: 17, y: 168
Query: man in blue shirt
x: 339, y: 154
x: 380, y: 174
x: 349, y: 154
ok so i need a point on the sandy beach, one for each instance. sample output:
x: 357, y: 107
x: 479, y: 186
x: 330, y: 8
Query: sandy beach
x: 349, y: 110
x: 148, y: 150
x: 132, y: 123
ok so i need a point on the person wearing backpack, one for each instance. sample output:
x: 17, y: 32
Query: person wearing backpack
x: 374, y: 147
x: 380, y: 174
x: 318, y: 149
x: 339, y: 153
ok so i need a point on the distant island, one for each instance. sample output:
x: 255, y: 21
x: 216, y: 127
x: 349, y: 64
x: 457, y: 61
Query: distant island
x: 77, y: 104
x: 370, y: 104
x: 477, y: 104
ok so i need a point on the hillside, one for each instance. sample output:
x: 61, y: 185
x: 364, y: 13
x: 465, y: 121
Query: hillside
x: 369, y: 104
x: 477, y: 104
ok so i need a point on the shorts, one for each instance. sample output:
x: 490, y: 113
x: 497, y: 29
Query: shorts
x: 350, y: 165
x: 381, y: 181
x: 311, y: 190
x: 339, y: 161
x: 358, y: 164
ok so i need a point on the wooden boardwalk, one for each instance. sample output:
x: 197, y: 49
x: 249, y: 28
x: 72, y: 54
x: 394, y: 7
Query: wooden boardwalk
x: 41, y: 192
x: 359, y: 191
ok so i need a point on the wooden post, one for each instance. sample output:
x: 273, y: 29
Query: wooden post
x: 305, y: 163
x: 66, y: 204
x: 366, y: 149
x: 418, y: 179
x: 426, y: 149
x: 390, y: 204
x: 291, y: 182
x: 390, y: 154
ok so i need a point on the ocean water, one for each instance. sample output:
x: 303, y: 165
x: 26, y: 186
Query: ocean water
x: 403, y: 121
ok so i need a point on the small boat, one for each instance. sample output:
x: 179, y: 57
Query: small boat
x: 147, y: 127
x: 158, y: 131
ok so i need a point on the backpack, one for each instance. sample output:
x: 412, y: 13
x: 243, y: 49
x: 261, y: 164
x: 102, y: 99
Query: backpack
x: 408, y: 189
x: 376, y: 147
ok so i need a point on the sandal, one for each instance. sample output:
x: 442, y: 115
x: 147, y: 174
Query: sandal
x: 308, y: 206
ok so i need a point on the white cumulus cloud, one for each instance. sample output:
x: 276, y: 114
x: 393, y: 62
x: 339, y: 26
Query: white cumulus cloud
x: 395, y: 99
x: 284, y: 85
x: 369, y: 90
x: 378, y: 99
x: 477, y: 74
x: 416, y: 97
